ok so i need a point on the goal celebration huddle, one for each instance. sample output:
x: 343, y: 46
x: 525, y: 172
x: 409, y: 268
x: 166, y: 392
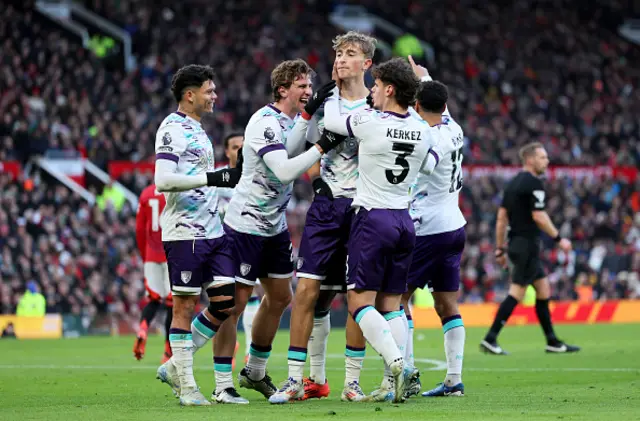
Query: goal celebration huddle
x: 386, y: 169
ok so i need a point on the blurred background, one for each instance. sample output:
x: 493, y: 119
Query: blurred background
x: 84, y: 86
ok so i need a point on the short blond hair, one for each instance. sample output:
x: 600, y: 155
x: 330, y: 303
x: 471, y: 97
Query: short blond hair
x: 529, y: 150
x: 366, y: 43
x: 286, y: 73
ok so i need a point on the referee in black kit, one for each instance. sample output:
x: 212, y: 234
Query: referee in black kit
x: 523, y: 212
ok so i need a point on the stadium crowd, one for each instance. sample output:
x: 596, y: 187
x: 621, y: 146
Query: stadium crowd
x: 54, y: 95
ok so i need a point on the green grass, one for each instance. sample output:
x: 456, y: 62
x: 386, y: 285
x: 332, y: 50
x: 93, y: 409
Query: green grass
x: 97, y: 379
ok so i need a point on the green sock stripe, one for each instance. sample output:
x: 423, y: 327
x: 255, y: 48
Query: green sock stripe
x: 200, y: 327
x: 259, y: 354
x: 393, y: 315
x: 452, y: 324
x: 297, y: 356
x: 354, y: 354
x: 180, y: 337
x: 223, y: 368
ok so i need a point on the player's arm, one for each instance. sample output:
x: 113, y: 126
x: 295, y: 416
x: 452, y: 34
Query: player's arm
x: 502, y: 222
x: 141, y: 224
x: 170, y: 144
x: 437, y: 149
x: 540, y: 216
x: 297, y: 139
x: 265, y: 137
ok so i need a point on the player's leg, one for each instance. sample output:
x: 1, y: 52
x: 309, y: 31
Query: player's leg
x: 249, y: 315
x: 276, y: 270
x: 354, y: 358
x: 522, y: 275
x: 167, y: 327
x: 223, y: 268
x: 153, y: 279
x: 413, y: 384
x: 317, y: 386
x: 224, y: 347
x: 388, y: 303
x: 310, y: 322
x: 376, y: 235
x: 543, y: 293
x: 186, y: 262
x: 445, y: 284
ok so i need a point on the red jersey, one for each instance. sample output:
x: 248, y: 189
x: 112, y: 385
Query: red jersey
x: 148, y: 233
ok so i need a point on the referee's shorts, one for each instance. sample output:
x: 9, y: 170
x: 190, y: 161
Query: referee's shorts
x: 524, y: 260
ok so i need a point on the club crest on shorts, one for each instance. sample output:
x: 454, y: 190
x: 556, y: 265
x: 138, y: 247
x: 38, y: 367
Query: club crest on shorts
x: 244, y: 269
x: 300, y: 263
x: 185, y: 276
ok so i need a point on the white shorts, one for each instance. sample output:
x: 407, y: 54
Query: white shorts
x: 156, y: 280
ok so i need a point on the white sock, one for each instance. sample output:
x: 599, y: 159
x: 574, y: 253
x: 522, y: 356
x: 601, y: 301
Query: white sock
x: 353, y: 364
x: 377, y: 332
x: 223, y: 373
x: 296, y: 359
x: 318, y: 348
x: 257, y: 364
x: 182, y: 348
x: 454, y: 336
x: 202, y: 330
x: 399, y: 332
x: 247, y: 321
x: 409, y: 349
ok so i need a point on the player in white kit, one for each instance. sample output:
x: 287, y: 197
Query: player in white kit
x: 440, y: 234
x: 256, y: 222
x: 394, y: 147
x: 198, y: 254
x: 323, y: 247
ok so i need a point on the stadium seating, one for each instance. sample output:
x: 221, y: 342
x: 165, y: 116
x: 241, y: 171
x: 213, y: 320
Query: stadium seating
x: 55, y: 96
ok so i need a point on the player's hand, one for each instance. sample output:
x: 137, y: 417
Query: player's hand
x: 501, y: 257
x: 565, y: 244
x: 227, y: 177
x: 321, y: 188
x: 329, y: 140
x: 419, y: 71
x: 318, y: 98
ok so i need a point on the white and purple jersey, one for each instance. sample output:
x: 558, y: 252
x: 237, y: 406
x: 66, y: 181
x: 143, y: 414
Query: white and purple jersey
x: 191, y: 214
x: 339, y: 167
x: 434, y: 205
x: 260, y: 199
x: 392, y: 150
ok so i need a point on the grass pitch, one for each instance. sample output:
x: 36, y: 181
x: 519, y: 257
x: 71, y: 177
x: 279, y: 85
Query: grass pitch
x: 96, y: 378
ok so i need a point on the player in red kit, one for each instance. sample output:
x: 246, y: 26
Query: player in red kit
x: 156, y: 273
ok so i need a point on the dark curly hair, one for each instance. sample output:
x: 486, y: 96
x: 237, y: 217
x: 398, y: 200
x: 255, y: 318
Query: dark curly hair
x: 398, y: 72
x: 191, y: 76
x: 433, y: 96
x: 286, y: 73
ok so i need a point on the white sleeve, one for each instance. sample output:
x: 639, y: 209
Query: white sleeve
x: 435, y: 139
x: 334, y: 121
x: 167, y: 180
x: 170, y: 145
x: 264, y: 136
x: 297, y: 137
x: 288, y: 170
x: 314, y: 130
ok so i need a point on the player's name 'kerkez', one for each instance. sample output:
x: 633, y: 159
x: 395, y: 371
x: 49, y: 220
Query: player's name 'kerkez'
x: 404, y: 134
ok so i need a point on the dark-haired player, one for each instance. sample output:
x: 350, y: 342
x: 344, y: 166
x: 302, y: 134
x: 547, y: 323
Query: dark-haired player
x: 393, y: 148
x: 198, y: 254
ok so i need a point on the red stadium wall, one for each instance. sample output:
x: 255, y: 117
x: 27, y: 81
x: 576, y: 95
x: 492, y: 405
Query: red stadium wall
x: 562, y: 312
